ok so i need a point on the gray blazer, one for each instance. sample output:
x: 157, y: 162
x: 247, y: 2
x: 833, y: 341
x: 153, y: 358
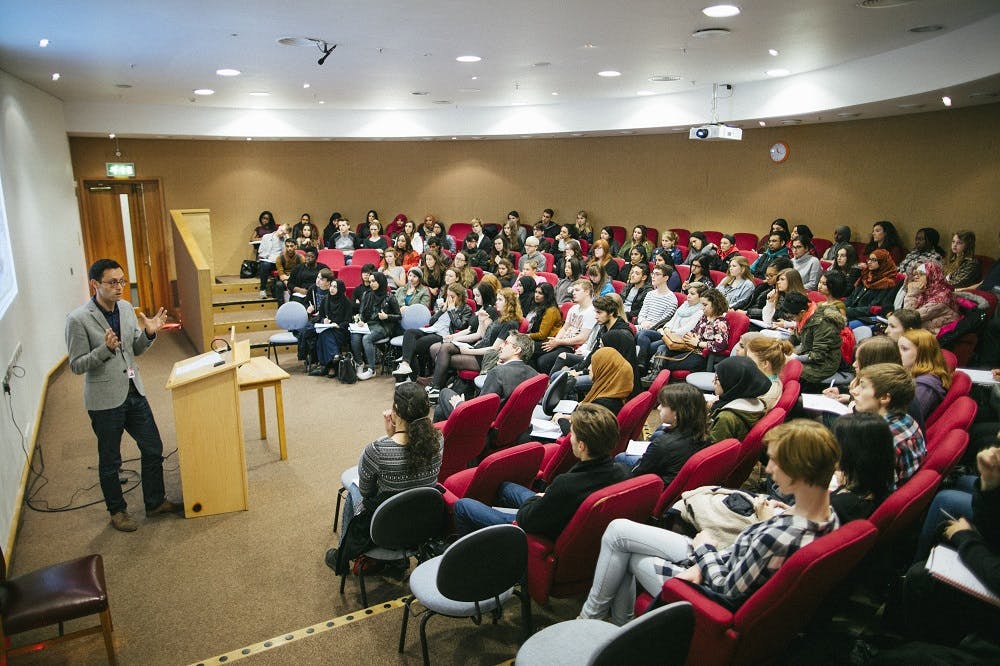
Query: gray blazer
x: 503, y: 379
x: 106, y: 372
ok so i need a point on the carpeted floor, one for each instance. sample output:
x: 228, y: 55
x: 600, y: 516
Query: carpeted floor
x: 184, y: 591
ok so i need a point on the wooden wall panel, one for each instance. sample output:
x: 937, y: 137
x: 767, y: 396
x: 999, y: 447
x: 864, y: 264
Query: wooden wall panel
x: 938, y: 169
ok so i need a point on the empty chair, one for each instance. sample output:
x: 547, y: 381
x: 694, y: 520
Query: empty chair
x: 400, y: 525
x: 707, y: 467
x: 745, y: 240
x: 960, y: 415
x: 334, y: 259
x: 53, y: 595
x: 465, y: 433
x: 945, y: 453
x: 351, y: 277
x: 760, y: 629
x: 366, y: 256
x: 474, y: 577
x: 514, y: 419
x: 904, y: 508
x: 517, y: 464
x: 661, y: 637
x: 961, y: 384
x: 291, y: 316
x: 631, y: 419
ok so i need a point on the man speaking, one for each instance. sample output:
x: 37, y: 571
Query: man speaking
x: 103, y: 341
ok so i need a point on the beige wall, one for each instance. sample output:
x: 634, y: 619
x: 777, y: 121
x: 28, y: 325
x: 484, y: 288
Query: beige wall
x: 937, y: 169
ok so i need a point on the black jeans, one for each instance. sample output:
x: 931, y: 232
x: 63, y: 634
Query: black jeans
x: 135, y: 417
x: 265, y: 272
x: 417, y: 346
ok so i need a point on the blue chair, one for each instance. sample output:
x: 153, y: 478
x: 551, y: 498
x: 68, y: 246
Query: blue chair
x: 291, y: 316
x: 415, y: 316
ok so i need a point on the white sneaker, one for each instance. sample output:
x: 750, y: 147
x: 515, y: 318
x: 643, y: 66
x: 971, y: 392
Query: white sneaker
x: 366, y: 374
x: 403, y: 369
x: 263, y: 294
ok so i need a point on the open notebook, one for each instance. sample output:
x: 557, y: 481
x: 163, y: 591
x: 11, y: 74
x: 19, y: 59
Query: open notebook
x: 945, y: 565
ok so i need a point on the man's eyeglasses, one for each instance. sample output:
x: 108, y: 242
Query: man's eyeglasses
x: 115, y: 283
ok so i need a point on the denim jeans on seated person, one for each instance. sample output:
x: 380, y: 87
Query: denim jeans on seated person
x: 627, y: 459
x: 472, y: 515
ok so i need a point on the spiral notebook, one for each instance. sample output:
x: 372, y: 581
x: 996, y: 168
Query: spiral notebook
x: 945, y: 565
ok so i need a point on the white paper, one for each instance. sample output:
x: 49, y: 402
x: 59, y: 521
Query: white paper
x: 979, y: 376
x: 636, y: 447
x: 566, y: 406
x: 209, y: 360
x: 545, y: 429
x: 359, y: 328
x: 779, y: 333
x: 322, y: 327
x: 820, y: 403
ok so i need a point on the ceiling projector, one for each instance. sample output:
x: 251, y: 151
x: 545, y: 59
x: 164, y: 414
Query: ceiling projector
x: 716, y: 132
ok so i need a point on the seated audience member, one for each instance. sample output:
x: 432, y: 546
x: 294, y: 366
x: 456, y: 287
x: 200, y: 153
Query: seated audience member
x: 484, y: 237
x: 668, y: 248
x: 885, y: 237
x: 929, y: 293
x: 501, y: 252
x: 538, y: 232
x: 864, y: 474
x: 504, y: 270
x: 738, y: 285
x: 331, y: 228
x: 303, y: 277
x: 454, y: 319
x: 779, y: 225
x: 524, y: 287
x: 726, y: 253
x: 512, y: 232
x: 602, y: 254
x: 572, y: 251
x: 932, y: 610
x: 593, y: 435
x: 313, y: 302
x: 284, y: 264
x: 710, y: 336
x: 789, y: 281
x: 802, y: 455
x: 875, y: 290
x: 447, y: 240
x: 921, y: 355
x: 698, y: 246
x: 963, y: 269
x: 841, y: 238
x: 450, y: 356
x: 834, y: 287
x: 637, y: 239
x: 265, y: 225
x: 609, y: 317
x: 510, y: 371
x: 887, y: 389
x: 407, y: 456
x: 600, y: 279
x: 758, y: 299
x: 476, y: 257
x: 567, y: 234
x: 580, y: 321
x: 432, y: 268
x: 700, y: 267
x: 901, y: 320
x: 652, y: 347
x: 806, y: 264
x: 359, y: 292
x: 396, y: 225
x: 776, y: 249
x: 611, y: 381
x: 658, y: 306
x: 544, y: 317
x: 816, y: 338
x: 635, y: 290
x: 410, y: 258
x: 463, y: 269
x: 414, y: 293
x: 393, y: 268
x: 572, y: 271
x: 344, y: 239
x: 337, y: 312
x: 531, y: 253
x: 381, y: 312
x: 374, y: 240
x: 739, y: 383
x: 583, y: 228
x: 926, y: 249
x: 308, y: 235
x: 846, y: 263
x: 770, y: 355
x: 682, y: 433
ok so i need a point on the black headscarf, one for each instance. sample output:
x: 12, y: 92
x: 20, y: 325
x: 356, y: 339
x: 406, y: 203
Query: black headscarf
x: 372, y: 301
x: 740, y: 378
x: 338, y: 308
x: 527, y: 296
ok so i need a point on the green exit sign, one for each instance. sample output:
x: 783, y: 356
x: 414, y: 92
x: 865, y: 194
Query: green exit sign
x: 120, y: 169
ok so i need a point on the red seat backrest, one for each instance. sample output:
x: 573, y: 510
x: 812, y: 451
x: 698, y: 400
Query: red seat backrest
x: 821, y: 245
x: 465, y: 433
x: 618, y: 233
x: 351, y: 276
x: 620, y: 262
x: 618, y: 285
x: 717, y: 276
x: 950, y: 359
x: 752, y: 445
x: 517, y: 464
x: 332, y: 258
x: 904, y: 507
x: 749, y: 255
x: 713, y: 237
x: 707, y: 467
x: 961, y: 384
x: 739, y: 324
x: 684, y: 271
x: 514, y: 418
x: 944, y: 453
x: 366, y: 256
x: 789, y: 394
x: 631, y: 418
x: 683, y: 236
x: 550, y: 261
x: 459, y: 230
x: 791, y: 370
x: 959, y: 416
x: 658, y: 383
x: 745, y: 240
x: 565, y: 307
x: 551, y: 278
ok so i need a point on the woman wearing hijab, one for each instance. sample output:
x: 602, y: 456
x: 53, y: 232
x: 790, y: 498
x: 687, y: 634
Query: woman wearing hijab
x: 929, y: 293
x: 524, y: 287
x: 875, y: 290
x: 738, y: 383
x: 336, y: 311
x: 613, y: 381
x: 381, y: 312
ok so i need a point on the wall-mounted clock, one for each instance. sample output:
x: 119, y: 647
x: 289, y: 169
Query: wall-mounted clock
x: 779, y: 152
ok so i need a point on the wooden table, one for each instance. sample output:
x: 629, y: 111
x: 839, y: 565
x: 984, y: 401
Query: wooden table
x: 259, y: 373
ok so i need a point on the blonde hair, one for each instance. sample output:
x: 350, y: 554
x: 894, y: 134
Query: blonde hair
x: 804, y: 450
x: 930, y: 360
x: 772, y: 351
x: 744, y: 270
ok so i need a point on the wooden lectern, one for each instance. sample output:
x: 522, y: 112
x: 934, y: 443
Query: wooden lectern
x: 209, y: 427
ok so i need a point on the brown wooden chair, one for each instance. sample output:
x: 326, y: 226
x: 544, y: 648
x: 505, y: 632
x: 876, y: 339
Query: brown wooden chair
x: 54, y: 595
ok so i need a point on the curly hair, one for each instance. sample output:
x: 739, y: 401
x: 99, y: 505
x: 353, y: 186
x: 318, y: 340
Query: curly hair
x: 423, y: 439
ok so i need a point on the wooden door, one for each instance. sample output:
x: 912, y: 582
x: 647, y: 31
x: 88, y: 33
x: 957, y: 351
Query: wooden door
x: 124, y: 221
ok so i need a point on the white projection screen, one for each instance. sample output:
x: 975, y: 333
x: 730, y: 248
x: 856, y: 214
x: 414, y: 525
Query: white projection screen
x: 8, y: 280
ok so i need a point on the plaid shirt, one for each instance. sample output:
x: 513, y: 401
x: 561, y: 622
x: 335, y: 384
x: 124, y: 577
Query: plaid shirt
x: 760, y: 550
x: 908, y: 442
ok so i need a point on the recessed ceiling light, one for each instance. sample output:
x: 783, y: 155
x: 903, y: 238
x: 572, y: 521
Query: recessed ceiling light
x: 627, y: 132
x: 321, y: 102
x: 773, y: 52
x: 577, y: 134
x: 43, y: 43
x: 721, y: 11
x: 468, y: 58
x: 926, y: 28
x: 204, y: 91
x: 663, y: 78
x: 111, y: 136
x: 227, y: 72
x: 588, y: 45
x: 882, y: 4
x: 762, y: 123
x: 710, y: 32
x: 946, y: 100
x: 56, y: 76
x: 555, y: 94
x: 644, y: 93
x: 454, y: 138
x: 777, y: 72
x: 473, y: 78
x: 609, y: 73
x: 260, y: 93
x: 249, y: 138
x: 306, y: 85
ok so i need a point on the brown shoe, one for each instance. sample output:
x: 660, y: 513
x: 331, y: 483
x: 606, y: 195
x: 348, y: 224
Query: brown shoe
x: 425, y: 381
x: 123, y: 522
x: 165, y: 507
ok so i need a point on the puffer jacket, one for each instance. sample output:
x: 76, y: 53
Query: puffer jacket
x: 819, y: 339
